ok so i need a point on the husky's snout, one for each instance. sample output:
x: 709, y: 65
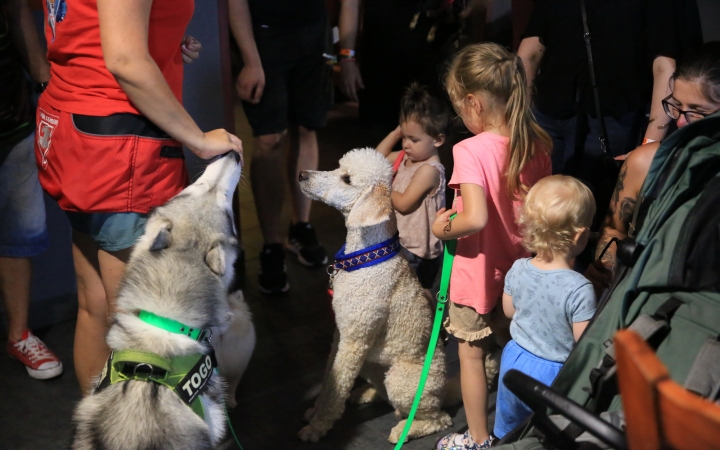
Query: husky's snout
x: 221, y: 177
x: 236, y: 155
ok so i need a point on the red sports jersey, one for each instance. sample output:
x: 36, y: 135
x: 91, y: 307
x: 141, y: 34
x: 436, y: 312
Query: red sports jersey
x: 80, y: 82
x: 124, y: 163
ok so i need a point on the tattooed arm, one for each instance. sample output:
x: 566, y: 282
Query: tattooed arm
x: 473, y: 218
x: 624, y: 199
x: 620, y: 213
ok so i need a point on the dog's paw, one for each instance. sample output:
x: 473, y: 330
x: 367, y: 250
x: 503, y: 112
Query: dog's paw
x: 309, y: 414
x: 492, y: 368
x: 311, y: 433
x: 421, y: 427
x: 396, y: 432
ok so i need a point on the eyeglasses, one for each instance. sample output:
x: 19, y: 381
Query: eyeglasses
x: 674, y: 112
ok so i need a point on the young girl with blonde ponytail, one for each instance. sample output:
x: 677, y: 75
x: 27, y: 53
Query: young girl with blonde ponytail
x: 492, y: 173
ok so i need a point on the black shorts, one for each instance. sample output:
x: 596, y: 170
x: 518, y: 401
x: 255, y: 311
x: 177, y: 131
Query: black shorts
x: 298, y: 84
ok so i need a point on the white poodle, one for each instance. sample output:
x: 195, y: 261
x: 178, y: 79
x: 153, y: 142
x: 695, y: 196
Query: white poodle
x: 383, y: 319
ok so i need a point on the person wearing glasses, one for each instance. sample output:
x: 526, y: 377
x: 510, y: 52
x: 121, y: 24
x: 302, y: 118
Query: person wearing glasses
x: 695, y: 94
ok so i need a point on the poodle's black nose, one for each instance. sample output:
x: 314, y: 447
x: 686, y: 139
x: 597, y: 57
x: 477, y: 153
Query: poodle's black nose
x: 303, y: 175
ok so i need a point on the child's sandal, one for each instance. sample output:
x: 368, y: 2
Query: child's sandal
x: 457, y: 441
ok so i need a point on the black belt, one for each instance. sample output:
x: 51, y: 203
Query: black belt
x: 126, y: 124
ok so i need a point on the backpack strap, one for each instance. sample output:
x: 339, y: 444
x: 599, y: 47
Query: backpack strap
x: 704, y: 376
x: 650, y: 327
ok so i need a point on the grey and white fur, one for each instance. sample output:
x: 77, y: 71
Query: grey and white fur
x: 234, y: 346
x: 179, y: 269
x: 383, y: 319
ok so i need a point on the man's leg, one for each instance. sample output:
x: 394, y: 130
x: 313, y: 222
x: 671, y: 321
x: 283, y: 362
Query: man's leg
x: 15, y: 276
x: 23, y: 234
x: 303, y: 155
x: 302, y: 239
x: 268, y: 185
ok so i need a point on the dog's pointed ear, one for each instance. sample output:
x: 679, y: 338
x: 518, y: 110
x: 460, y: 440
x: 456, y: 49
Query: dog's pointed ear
x: 372, y: 208
x: 215, y: 258
x: 159, y: 233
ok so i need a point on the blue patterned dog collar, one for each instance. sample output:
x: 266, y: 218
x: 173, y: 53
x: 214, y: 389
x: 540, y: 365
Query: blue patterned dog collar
x: 368, y: 256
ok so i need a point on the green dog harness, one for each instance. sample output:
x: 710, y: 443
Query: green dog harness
x: 187, y: 376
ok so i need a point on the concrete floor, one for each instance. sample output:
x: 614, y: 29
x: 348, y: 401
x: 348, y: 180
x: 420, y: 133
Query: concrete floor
x: 294, y: 333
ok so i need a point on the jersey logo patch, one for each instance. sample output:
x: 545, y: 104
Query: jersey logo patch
x: 57, y: 9
x: 45, y: 129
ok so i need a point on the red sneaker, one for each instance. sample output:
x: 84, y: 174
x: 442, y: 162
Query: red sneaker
x: 39, y: 361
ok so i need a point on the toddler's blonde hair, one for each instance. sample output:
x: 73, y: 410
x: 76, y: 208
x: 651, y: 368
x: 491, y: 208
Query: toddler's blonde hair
x: 555, y: 209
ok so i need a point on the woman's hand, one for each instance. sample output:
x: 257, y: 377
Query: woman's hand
x: 217, y: 142
x: 190, y: 49
x: 251, y: 83
x: 443, y: 225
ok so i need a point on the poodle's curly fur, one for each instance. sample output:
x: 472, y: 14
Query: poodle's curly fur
x: 383, y: 318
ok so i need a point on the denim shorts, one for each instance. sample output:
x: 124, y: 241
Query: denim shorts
x: 112, y: 231
x: 23, y: 229
x: 510, y: 411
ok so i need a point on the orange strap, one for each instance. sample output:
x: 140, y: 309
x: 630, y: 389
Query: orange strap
x: 398, y: 161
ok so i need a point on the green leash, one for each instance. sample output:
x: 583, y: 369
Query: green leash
x: 439, y: 312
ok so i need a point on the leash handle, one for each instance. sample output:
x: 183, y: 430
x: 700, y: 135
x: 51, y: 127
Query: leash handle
x: 442, y: 298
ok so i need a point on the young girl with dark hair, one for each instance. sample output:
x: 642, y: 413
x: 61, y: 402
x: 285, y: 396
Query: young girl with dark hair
x: 419, y: 183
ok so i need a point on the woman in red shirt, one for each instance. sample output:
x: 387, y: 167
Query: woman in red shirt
x: 111, y: 127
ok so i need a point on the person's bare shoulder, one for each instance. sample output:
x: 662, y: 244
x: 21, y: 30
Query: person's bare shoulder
x: 638, y: 164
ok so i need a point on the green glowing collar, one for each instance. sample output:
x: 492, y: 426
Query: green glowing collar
x: 174, y: 326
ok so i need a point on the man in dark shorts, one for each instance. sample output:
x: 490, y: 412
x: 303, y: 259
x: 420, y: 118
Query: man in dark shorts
x: 285, y: 86
x: 23, y: 230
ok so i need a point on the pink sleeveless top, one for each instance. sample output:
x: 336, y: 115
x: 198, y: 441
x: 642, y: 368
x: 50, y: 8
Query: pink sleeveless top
x: 415, y: 228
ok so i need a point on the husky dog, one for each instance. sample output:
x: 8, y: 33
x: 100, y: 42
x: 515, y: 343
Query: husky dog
x: 383, y: 319
x: 180, y: 269
x: 234, y: 345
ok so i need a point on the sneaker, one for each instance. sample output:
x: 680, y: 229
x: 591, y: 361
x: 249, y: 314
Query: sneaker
x: 39, y: 361
x: 303, y: 242
x: 457, y: 441
x: 272, y: 278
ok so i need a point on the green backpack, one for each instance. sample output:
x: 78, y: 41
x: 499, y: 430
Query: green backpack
x: 668, y: 290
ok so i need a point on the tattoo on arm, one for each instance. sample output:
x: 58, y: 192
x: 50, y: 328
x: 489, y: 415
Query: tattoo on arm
x: 619, y: 187
x: 447, y: 227
x: 626, y: 210
x: 608, y: 259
